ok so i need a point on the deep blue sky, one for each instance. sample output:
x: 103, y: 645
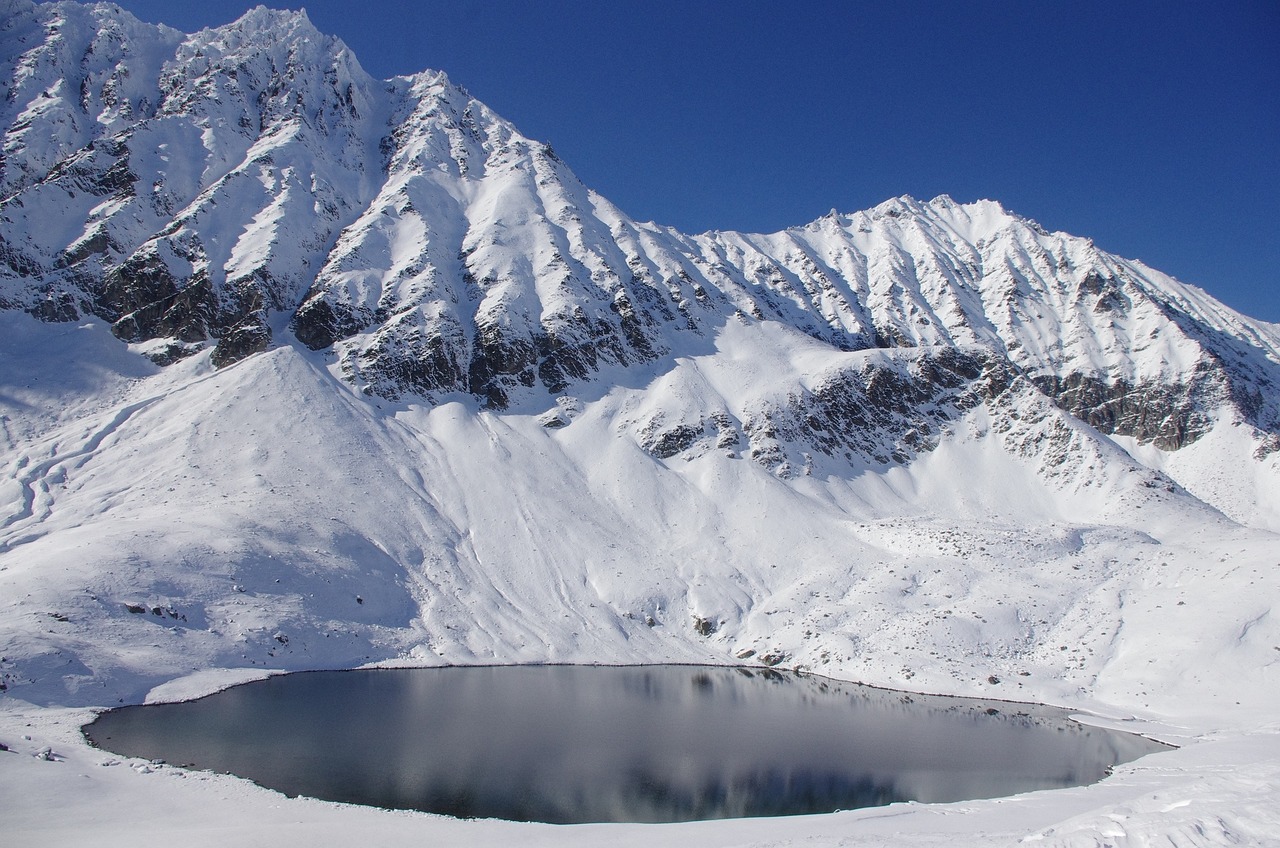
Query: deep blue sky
x: 1153, y: 128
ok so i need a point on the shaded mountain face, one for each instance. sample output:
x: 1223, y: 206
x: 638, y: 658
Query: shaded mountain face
x: 251, y: 186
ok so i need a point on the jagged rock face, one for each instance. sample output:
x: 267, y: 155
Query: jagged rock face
x: 875, y: 410
x: 1165, y: 415
x: 884, y: 411
x: 188, y: 188
x: 192, y: 184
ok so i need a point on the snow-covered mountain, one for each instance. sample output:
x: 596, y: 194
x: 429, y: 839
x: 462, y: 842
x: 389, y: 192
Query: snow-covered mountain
x: 300, y: 368
x: 251, y: 185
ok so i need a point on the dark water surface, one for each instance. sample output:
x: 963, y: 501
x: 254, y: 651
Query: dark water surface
x: 590, y: 744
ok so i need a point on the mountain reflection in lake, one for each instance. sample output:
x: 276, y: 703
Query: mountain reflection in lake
x: 590, y: 744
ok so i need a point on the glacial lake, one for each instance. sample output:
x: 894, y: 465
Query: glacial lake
x: 570, y: 744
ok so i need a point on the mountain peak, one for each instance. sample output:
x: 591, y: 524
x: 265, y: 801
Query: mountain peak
x: 281, y: 195
x: 943, y: 206
x: 276, y: 22
x: 287, y: 36
x: 895, y: 207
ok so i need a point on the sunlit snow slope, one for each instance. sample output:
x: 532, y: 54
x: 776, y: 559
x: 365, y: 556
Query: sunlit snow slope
x: 303, y: 369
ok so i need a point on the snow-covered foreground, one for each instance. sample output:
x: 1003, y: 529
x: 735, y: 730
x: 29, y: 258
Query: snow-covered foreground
x: 269, y: 500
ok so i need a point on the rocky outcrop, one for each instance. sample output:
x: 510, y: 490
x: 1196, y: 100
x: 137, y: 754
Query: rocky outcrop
x: 1168, y: 415
x: 318, y: 323
x: 186, y: 190
x: 144, y: 300
x: 886, y: 410
x: 883, y: 413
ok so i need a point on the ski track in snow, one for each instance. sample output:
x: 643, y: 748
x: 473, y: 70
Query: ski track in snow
x: 35, y: 476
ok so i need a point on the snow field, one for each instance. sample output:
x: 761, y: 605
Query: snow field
x: 254, y: 502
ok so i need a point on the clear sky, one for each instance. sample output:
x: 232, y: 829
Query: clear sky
x: 1151, y: 127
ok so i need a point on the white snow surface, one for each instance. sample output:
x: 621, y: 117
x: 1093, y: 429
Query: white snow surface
x: 160, y: 527
x: 265, y: 497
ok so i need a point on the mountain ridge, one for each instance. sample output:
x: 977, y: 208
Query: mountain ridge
x: 436, y: 250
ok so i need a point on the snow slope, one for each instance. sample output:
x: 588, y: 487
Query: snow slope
x: 299, y: 369
x: 256, y: 501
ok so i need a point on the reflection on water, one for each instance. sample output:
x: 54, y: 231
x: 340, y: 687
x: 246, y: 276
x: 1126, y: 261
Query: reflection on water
x: 587, y: 744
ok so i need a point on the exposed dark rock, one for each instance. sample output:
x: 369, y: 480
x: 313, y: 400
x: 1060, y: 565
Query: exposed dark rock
x: 145, y: 301
x: 414, y: 360
x: 493, y: 358
x: 100, y: 169
x: 17, y: 261
x: 727, y: 434
x: 632, y: 328
x: 318, y: 323
x: 499, y: 362
x: 173, y: 352
x: 1269, y: 445
x: 56, y: 307
x: 560, y: 360
x: 97, y: 243
x: 250, y: 337
x: 117, y: 180
x: 552, y: 420
x: 1107, y: 290
x: 1167, y: 415
x: 668, y: 443
x: 885, y: 412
